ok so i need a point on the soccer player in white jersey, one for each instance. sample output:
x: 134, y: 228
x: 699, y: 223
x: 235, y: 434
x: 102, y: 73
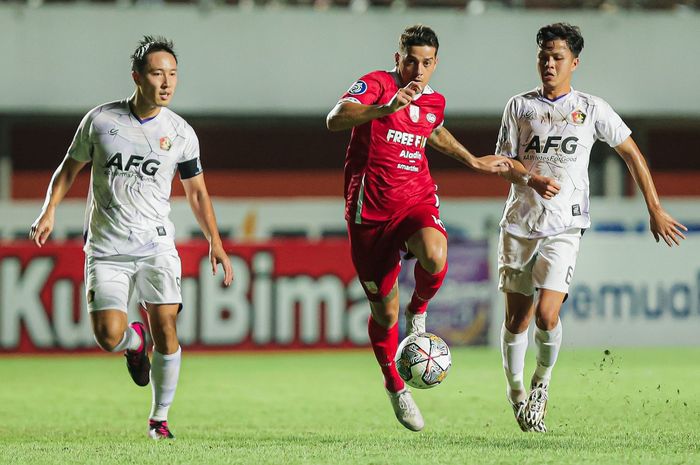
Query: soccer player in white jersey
x: 136, y: 146
x: 549, y: 132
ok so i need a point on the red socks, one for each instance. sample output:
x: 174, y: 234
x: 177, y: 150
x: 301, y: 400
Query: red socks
x: 384, y: 343
x: 427, y: 286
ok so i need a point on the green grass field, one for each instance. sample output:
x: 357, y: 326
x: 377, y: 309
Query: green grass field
x: 633, y: 406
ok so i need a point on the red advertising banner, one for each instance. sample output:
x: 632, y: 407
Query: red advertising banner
x: 289, y: 294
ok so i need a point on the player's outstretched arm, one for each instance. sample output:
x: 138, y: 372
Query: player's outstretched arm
x: 60, y: 183
x: 662, y: 225
x: 346, y: 115
x: 200, y: 202
x: 443, y: 141
x: 546, y: 187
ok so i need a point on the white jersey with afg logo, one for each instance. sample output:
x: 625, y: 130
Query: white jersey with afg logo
x: 133, y: 165
x: 554, y: 139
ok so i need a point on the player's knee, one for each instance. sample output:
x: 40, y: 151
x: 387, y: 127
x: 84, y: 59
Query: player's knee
x: 108, y: 337
x: 546, y: 316
x: 547, y: 312
x: 384, y: 314
x: 435, y: 258
x: 165, y: 338
x: 517, y: 322
x: 108, y: 327
x: 547, y: 321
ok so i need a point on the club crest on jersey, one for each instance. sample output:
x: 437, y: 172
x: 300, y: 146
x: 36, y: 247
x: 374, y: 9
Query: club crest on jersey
x: 414, y: 113
x: 359, y: 88
x: 578, y: 117
x: 165, y: 143
x: 431, y: 118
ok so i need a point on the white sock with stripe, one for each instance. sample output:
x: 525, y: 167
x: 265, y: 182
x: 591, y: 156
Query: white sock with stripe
x: 513, y: 349
x: 165, y: 371
x: 548, y: 344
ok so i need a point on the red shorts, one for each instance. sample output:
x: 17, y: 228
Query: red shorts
x: 376, y: 247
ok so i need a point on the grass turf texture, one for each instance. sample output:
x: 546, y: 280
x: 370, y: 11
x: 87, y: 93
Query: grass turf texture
x: 630, y: 406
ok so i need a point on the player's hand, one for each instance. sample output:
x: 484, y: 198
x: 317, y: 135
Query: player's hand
x: 493, y: 164
x: 218, y: 255
x: 663, y: 226
x: 41, y: 228
x: 404, y: 96
x: 546, y: 187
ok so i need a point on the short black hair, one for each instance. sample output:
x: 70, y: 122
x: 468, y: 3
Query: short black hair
x: 564, y: 31
x: 418, y: 35
x: 150, y: 44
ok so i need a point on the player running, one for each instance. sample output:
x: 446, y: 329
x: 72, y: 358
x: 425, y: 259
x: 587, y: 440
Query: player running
x: 135, y: 146
x: 549, y: 132
x: 391, y: 202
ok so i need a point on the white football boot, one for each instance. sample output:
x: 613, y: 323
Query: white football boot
x: 415, y: 323
x: 519, y: 411
x: 536, y: 408
x: 406, y: 409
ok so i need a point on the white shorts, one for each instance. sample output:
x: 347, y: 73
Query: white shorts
x: 525, y: 265
x: 109, y: 281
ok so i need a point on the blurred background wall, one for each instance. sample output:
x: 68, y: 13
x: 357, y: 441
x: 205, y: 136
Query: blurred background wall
x: 256, y: 81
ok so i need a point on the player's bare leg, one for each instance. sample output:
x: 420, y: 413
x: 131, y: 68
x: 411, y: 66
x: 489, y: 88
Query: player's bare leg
x: 113, y: 334
x: 519, y: 311
x: 430, y: 248
x: 384, y: 335
x: 548, y: 334
x: 166, y: 366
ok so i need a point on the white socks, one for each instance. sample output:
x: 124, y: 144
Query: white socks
x: 165, y: 370
x: 513, y: 348
x: 548, y: 344
x: 130, y: 341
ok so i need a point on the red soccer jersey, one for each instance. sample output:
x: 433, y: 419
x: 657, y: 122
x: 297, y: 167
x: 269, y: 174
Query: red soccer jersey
x: 386, y: 171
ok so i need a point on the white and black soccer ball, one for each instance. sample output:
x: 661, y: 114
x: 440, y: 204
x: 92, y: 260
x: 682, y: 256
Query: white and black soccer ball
x: 423, y: 360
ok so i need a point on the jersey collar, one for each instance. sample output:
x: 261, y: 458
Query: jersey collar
x: 141, y: 121
x: 561, y: 98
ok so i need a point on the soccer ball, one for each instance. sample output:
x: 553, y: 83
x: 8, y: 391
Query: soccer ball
x: 423, y: 360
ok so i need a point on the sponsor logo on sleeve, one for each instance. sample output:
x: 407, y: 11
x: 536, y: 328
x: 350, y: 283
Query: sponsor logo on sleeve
x: 165, y: 143
x: 359, y: 88
x: 576, y: 210
x: 431, y: 118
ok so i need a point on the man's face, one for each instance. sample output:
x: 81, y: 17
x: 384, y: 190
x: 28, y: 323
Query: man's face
x: 555, y: 63
x: 159, y: 78
x: 417, y: 64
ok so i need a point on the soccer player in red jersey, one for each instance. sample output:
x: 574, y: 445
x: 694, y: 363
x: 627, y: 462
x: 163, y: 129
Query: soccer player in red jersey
x: 391, y: 201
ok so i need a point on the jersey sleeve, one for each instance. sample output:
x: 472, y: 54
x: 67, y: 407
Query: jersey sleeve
x: 440, y: 118
x: 81, y: 147
x: 507, y: 144
x: 190, y: 164
x: 609, y: 127
x: 365, y: 90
